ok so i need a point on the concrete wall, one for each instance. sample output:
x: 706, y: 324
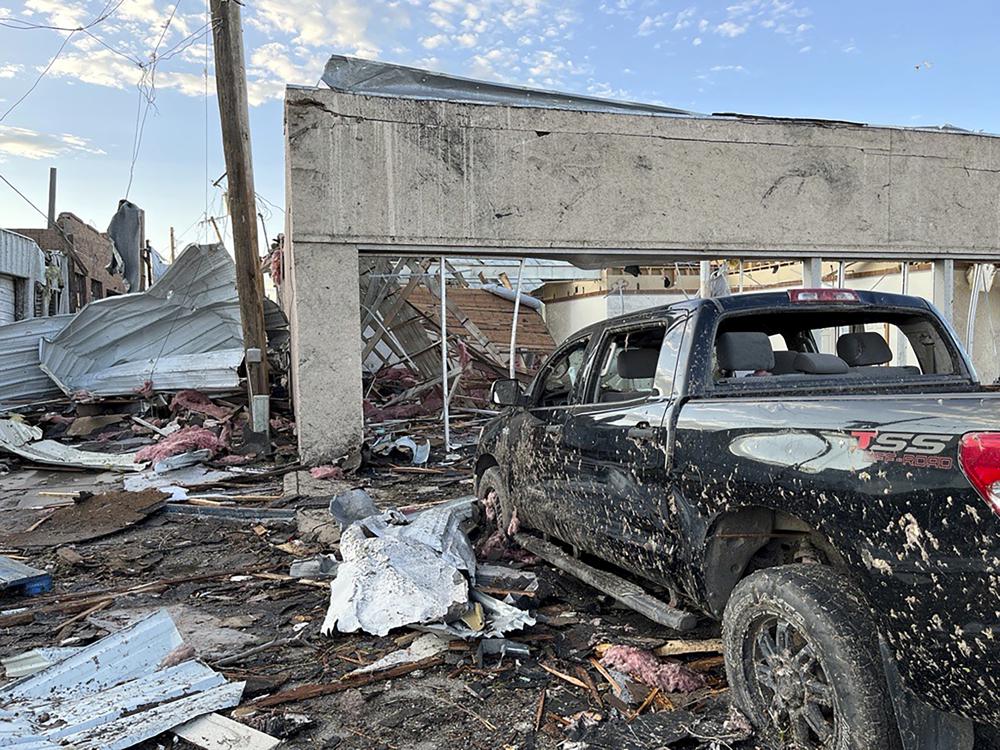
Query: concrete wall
x: 389, y: 172
x: 397, y: 176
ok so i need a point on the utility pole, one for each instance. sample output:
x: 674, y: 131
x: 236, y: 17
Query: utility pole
x: 173, y: 246
x: 231, y: 86
x: 52, y: 198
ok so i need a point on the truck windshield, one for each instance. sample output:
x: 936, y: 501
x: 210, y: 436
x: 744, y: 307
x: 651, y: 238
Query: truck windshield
x: 834, y: 343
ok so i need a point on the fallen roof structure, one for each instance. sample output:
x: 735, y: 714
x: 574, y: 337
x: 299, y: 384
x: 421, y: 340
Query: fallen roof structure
x: 21, y: 379
x: 184, y: 332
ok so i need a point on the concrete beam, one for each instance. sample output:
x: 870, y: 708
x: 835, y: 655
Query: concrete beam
x: 944, y: 288
x: 432, y: 177
x: 812, y: 273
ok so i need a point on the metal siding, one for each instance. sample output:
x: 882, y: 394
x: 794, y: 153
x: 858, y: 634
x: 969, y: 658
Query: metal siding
x: 6, y: 300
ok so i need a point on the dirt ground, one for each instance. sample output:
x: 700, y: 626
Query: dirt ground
x: 239, y: 598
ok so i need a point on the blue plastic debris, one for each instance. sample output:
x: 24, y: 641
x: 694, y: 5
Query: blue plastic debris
x: 21, y: 579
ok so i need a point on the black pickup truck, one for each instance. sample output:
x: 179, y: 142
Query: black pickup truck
x: 819, y: 469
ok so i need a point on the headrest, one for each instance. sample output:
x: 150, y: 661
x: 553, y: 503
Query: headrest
x: 744, y: 351
x: 637, y: 364
x: 863, y: 349
x: 784, y: 363
x: 820, y: 364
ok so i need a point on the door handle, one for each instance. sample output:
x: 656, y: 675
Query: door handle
x: 641, y: 433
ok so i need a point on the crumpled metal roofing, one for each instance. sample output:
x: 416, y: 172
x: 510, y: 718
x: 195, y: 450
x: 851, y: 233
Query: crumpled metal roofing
x: 356, y: 76
x: 21, y: 380
x: 183, y: 332
x: 26, y: 441
x: 113, y: 694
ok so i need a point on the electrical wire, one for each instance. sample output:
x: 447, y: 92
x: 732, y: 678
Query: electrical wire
x: 41, y: 75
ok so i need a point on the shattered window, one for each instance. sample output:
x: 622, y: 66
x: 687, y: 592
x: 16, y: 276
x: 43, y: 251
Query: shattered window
x: 559, y: 376
x: 627, y: 365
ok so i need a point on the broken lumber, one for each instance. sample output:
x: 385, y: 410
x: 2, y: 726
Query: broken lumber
x: 315, y: 690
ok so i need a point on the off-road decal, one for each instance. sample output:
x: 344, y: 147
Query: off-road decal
x: 907, y: 448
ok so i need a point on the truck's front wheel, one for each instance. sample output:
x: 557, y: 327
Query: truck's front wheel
x: 803, y: 661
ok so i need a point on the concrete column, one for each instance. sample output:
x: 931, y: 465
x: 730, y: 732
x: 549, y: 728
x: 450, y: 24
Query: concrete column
x: 325, y: 326
x: 944, y: 288
x: 812, y: 273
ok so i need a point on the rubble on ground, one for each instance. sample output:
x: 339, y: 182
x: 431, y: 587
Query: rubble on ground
x: 368, y: 602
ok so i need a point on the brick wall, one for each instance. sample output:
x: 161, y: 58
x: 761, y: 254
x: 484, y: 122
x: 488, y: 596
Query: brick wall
x: 92, y: 251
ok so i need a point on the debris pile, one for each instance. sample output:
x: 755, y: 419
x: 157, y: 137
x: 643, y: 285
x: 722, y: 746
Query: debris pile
x: 401, y: 331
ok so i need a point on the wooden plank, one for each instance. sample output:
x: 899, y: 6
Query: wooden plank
x: 216, y: 732
x: 621, y: 590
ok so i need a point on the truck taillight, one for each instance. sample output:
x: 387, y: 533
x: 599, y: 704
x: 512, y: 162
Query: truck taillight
x: 979, y: 457
x: 824, y: 294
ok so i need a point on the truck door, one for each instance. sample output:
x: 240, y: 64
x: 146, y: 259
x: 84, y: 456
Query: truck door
x: 617, y: 443
x: 538, y: 469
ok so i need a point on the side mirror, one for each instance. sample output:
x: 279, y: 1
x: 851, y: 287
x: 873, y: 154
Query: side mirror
x: 506, y: 392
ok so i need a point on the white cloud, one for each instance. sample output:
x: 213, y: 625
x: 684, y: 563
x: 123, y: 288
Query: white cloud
x: 730, y: 29
x: 696, y: 41
x: 433, y: 42
x: 32, y: 144
x: 342, y: 24
x: 11, y: 70
x: 650, y: 24
x: 683, y: 19
x: 805, y: 49
x: 466, y: 40
x: 727, y: 69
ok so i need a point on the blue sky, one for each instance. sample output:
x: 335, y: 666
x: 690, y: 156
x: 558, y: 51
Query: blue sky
x: 884, y: 62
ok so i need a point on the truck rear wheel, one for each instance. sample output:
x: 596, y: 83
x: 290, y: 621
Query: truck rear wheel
x: 803, y: 661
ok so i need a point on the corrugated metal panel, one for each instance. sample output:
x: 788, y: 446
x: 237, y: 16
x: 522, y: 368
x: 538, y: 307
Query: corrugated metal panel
x: 7, y: 308
x: 21, y: 380
x: 117, y: 344
x: 113, y: 694
x: 26, y: 441
x: 20, y: 256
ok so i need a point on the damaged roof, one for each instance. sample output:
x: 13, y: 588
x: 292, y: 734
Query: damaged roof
x: 116, y: 345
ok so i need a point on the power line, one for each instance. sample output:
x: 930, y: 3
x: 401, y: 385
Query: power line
x: 22, y: 25
x: 40, y: 76
x: 150, y: 73
x: 26, y: 198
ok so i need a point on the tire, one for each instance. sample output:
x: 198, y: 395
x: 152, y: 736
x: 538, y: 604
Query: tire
x: 492, y: 481
x: 803, y: 661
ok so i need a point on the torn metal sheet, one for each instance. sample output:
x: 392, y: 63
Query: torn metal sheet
x: 415, y: 571
x: 392, y: 581
x: 320, y: 566
x: 356, y: 76
x: 183, y: 332
x: 126, y: 231
x: 21, y: 379
x: 113, y: 694
x: 427, y: 645
x: 33, y: 661
x: 26, y: 441
x: 188, y: 477
x: 417, y: 453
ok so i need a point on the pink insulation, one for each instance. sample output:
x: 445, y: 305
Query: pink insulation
x: 197, y: 401
x: 668, y: 676
x: 184, y: 440
x: 326, y: 472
